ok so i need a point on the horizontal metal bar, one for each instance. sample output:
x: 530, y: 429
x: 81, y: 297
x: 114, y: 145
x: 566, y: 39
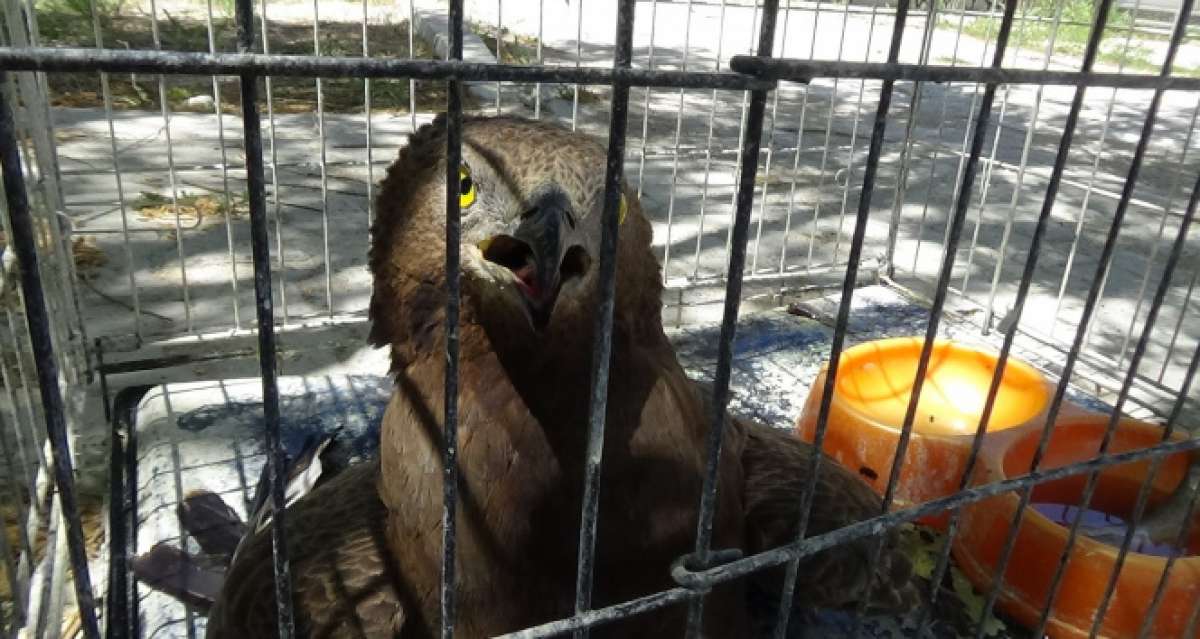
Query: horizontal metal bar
x: 794, y: 70
x: 811, y: 545
x: 194, y: 63
x: 877, y: 525
x: 600, y: 616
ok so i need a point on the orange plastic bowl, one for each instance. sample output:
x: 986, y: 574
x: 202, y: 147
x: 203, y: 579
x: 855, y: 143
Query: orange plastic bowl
x: 873, y: 388
x: 1040, y: 542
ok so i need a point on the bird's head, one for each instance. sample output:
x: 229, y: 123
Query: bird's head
x: 531, y: 201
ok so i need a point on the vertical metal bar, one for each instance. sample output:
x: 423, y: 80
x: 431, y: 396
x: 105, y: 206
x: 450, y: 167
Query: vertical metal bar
x: 499, y: 46
x: 35, y: 443
x: 1006, y: 234
x: 1185, y: 529
x: 537, y: 87
x: 741, y: 136
x: 1190, y: 633
x: 712, y: 112
x: 791, y: 201
x: 762, y: 203
x: 1101, y: 143
x: 27, y: 429
x: 940, y: 134
x: 914, y: 110
x: 17, y: 572
x: 276, y: 206
x: 412, y: 84
x: 578, y: 62
x: 106, y: 94
x: 1112, y: 99
x: 963, y: 159
x: 51, y: 604
x: 962, y: 203
x: 646, y: 103
x: 1034, y: 252
x: 39, y: 589
x: 324, y: 168
x: 1160, y: 295
x: 1183, y: 311
x: 1139, y: 351
x: 602, y: 342
x: 165, y: 108
x: 450, y: 405
x: 189, y: 611
x: 1104, y: 258
x: 787, y: 223
x: 751, y: 143
x: 879, y: 127
x: 24, y: 244
x: 687, y: 41
x: 129, y: 503
x: 862, y: 89
x: 261, y: 250
x: 116, y: 613
x: 1030, y: 132
x: 985, y: 187
x: 63, y: 298
x: 1162, y: 225
x: 820, y: 196
x: 10, y: 569
x: 216, y: 88
x: 367, y: 119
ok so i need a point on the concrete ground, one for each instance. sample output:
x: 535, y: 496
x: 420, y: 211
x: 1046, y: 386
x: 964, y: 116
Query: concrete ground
x: 810, y: 182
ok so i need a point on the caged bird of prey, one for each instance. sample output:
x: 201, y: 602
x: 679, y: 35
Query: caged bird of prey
x: 366, y: 545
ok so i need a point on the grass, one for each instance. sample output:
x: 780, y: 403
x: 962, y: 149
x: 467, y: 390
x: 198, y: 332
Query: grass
x: 67, y: 23
x: 514, y: 49
x: 1036, y: 24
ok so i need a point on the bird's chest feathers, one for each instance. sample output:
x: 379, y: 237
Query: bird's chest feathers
x: 521, y: 451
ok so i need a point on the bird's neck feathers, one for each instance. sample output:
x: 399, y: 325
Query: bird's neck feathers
x: 408, y: 305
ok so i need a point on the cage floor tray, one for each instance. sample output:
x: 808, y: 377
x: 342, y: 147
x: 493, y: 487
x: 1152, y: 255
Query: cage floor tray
x: 207, y: 435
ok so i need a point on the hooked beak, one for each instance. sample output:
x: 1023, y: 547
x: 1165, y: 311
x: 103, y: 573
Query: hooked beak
x: 542, y: 252
x: 543, y: 229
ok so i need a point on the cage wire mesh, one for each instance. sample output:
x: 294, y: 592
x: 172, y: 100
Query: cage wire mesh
x: 1049, y: 213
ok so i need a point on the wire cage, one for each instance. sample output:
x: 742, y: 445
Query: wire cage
x: 1037, y: 189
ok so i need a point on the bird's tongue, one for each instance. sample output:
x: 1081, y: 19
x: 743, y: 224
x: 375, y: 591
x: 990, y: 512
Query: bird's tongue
x: 527, y: 274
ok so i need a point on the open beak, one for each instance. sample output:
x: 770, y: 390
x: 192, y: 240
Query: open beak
x: 541, y: 252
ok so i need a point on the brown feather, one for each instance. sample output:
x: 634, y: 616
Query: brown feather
x: 522, y: 421
x: 188, y: 578
x: 215, y: 526
x: 522, y: 426
x: 343, y: 581
x: 776, y: 465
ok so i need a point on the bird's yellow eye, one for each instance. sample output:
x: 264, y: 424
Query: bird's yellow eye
x: 466, y: 187
x: 622, y: 210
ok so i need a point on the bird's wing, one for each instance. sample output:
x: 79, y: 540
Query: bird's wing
x: 302, y: 473
x: 212, y: 523
x: 343, y: 581
x: 187, y: 577
x: 197, y: 578
x: 776, y: 465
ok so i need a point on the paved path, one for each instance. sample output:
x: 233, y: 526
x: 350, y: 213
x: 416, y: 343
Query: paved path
x: 810, y: 195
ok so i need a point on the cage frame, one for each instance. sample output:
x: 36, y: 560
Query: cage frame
x: 697, y: 573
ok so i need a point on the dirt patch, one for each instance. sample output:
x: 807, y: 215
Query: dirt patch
x: 195, y: 211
